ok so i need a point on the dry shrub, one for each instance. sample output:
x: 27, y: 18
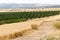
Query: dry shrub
x: 53, y: 36
x: 16, y: 34
x: 34, y: 26
x: 56, y: 24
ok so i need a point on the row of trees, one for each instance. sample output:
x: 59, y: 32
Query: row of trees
x: 22, y: 16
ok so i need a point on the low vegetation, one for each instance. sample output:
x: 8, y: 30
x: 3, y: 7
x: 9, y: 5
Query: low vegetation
x: 53, y: 37
x: 11, y: 17
x: 56, y: 24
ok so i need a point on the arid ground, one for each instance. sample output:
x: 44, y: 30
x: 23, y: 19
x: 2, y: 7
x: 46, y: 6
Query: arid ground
x: 43, y: 31
x: 28, y: 10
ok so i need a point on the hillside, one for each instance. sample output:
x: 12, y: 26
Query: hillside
x: 43, y: 31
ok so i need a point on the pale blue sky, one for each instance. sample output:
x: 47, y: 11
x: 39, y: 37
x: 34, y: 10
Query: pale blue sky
x: 31, y: 1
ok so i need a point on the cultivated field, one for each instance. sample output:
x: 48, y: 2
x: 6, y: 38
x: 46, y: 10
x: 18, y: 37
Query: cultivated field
x: 13, y: 17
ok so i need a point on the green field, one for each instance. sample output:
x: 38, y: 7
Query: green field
x: 11, y: 17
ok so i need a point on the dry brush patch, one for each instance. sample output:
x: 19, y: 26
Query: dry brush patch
x: 56, y: 24
x: 34, y: 26
x: 53, y: 36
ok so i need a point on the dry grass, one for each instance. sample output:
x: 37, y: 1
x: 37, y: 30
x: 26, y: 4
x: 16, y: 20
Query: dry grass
x: 56, y: 25
x: 54, y: 36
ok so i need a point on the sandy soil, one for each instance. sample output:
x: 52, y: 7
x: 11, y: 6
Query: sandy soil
x: 43, y: 31
x: 39, y: 34
x: 28, y: 10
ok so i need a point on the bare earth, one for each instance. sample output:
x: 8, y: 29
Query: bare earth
x: 29, y: 10
x: 43, y: 31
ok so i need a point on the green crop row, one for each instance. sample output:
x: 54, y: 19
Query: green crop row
x: 10, y: 17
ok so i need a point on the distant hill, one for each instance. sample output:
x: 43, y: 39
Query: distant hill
x: 13, y: 5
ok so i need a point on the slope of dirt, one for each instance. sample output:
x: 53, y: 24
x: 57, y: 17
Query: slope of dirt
x: 43, y: 31
x: 39, y: 34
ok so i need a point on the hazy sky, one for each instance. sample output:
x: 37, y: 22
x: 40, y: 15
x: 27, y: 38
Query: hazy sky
x: 31, y: 1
